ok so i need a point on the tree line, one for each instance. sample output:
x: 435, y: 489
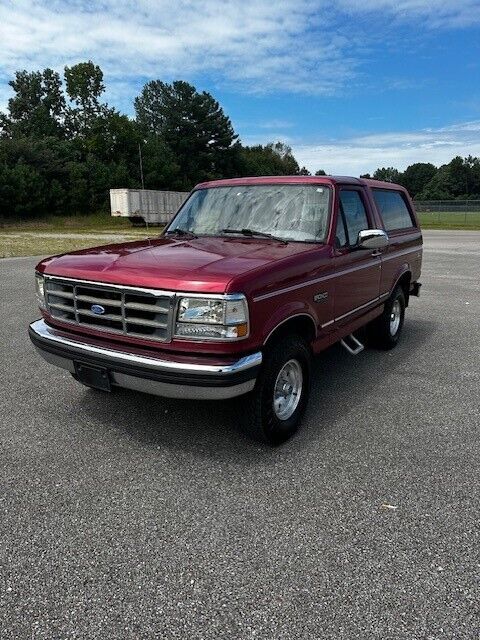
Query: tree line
x: 457, y: 180
x: 62, y: 146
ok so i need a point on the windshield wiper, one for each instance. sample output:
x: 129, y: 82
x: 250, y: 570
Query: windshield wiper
x: 252, y: 233
x: 181, y: 232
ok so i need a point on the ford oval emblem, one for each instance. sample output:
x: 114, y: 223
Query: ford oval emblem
x: 97, y: 309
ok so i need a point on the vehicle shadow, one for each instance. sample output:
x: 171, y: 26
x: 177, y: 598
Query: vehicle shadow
x: 342, y: 382
x: 213, y: 429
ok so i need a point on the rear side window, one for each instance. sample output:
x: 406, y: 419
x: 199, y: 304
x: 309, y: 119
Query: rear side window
x: 393, y: 209
x: 353, y: 214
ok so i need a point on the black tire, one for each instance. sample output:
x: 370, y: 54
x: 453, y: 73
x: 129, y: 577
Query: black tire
x: 384, y: 333
x: 261, y: 420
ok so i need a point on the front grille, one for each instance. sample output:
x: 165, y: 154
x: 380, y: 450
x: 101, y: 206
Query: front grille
x: 140, y: 313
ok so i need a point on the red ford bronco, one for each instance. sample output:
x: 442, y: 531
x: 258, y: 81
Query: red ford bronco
x: 251, y: 278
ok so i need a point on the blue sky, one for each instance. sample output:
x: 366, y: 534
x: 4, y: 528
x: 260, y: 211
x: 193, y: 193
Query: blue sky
x: 349, y: 85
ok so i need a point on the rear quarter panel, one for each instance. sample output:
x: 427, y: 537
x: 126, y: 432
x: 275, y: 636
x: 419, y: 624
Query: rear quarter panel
x: 404, y: 253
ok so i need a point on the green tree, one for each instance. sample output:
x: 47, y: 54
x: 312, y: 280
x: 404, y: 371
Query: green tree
x: 192, y: 125
x: 417, y: 176
x: 387, y: 174
x: 113, y: 136
x: 62, y: 147
x: 31, y: 172
x: 273, y: 159
x: 320, y: 172
x: 284, y: 151
x: 160, y: 166
x: 460, y: 178
x: 84, y: 85
x: 37, y: 107
x: 474, y: 178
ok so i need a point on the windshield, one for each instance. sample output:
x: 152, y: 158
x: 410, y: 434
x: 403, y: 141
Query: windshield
x: 296, y: 212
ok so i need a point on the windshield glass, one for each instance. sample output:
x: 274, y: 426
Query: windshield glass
x: 297, y: 212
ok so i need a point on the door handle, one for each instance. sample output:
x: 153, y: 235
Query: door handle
x: 376, y: 253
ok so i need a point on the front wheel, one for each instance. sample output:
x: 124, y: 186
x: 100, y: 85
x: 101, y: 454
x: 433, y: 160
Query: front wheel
x: 277, y: 403
x: 385, y: 330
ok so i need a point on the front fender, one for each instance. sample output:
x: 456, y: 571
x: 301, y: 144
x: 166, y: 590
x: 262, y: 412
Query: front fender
x: 287, y: 312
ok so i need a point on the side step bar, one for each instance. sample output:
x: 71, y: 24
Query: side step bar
x: 355, y: 347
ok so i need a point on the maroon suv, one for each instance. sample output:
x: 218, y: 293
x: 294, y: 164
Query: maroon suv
x: 251, y: 278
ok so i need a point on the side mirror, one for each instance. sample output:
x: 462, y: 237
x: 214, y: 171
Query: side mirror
x: 372, y: 239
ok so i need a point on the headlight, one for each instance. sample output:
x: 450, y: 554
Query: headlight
x: 218, y: 318
x: 40, y: 290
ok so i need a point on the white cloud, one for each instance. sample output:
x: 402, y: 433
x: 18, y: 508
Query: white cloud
x: 438, y: 13
x: 364, y: 154
x: 276, y: 124
x: 251, y: 45
x: 248, y: 45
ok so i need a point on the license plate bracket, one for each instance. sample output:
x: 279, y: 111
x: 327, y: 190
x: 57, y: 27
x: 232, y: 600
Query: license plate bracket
x: 96, y: 377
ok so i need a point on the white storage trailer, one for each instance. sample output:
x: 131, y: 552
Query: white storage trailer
x: 146, y: 205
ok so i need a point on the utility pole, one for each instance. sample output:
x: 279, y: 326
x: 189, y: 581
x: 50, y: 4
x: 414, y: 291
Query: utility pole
x: 141, y: 164
x: 143, y: 185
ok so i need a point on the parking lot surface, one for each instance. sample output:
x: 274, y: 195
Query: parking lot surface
x: 130, y: 516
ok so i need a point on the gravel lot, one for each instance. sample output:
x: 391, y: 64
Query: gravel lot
x: 129, y: 516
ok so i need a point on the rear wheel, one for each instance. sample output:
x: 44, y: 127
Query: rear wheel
x: 277, y: 403
x: 385, y: 330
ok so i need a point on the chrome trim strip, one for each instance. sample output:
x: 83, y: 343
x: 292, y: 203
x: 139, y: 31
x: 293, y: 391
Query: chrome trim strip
x: 180, y: 391
x: 108, y: 285
x: 216, y: 296
x: 278, y: 292
x: 404, y: 252
x: 371, y: 263
x: 42, y: 330
x: 154, y: 292
x: 367, y: 304
x: 383, y: 295
x: 329, y: 276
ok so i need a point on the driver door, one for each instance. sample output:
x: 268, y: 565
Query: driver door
x: 358, y: 281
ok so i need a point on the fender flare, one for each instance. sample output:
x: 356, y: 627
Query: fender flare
x: 284, y: 314
x: 405, y: 268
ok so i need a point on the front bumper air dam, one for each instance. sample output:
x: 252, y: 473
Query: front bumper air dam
x: 153, y: 375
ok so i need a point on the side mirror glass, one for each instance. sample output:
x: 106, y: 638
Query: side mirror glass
x: 372, y: 239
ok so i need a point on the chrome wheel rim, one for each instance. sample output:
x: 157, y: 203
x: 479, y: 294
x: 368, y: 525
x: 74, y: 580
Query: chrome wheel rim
x: 395, y: 317
x: 288, y: 390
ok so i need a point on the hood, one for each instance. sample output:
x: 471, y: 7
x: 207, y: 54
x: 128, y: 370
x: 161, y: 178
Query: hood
x: 200, y: 264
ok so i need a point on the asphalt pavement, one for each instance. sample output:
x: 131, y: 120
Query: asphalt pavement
x: 130, y: 516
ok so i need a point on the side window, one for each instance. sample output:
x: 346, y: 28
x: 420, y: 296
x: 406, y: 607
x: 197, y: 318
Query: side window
x: 393, y: 209
x: 340, y: 235
x: 354, y: 213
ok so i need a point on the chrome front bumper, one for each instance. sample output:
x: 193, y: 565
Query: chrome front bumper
x: 168, y: 378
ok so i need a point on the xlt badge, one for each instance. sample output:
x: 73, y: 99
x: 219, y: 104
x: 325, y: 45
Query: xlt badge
x: 320, y: 297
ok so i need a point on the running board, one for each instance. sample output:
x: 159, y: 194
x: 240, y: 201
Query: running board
x: 357, y: 345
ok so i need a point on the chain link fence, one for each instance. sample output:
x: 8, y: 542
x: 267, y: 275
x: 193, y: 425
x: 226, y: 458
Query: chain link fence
x: 449, y: 212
